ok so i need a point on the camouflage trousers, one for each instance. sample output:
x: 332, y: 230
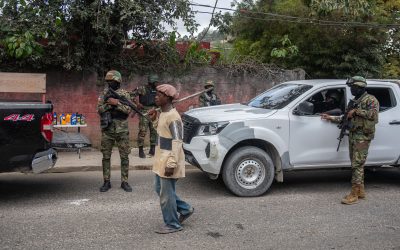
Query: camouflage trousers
x: 144, y: 124
x: 358, y: 156
x: 108, y: 140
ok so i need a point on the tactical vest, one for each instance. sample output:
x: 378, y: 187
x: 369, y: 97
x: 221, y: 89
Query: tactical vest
x: 362, y: 124
x: 149, y: 98
x: 212, y: 100
x: 118, y: 115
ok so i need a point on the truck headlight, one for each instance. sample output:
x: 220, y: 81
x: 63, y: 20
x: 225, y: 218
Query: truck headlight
x: 212, y: 128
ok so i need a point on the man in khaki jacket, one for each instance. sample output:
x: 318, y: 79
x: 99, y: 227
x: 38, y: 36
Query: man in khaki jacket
x: 169, y: 160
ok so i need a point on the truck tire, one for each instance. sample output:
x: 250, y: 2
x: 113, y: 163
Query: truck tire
x: 248, y: 171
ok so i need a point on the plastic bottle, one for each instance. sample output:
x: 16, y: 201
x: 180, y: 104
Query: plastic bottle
x: 62, y: 119
x: 78, y: 118
x: 68, y: 118
x: 83, y: 120
x: 73, y: 119
x: 54, y: 118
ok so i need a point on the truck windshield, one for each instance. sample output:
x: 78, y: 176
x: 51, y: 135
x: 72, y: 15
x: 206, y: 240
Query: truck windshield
x: 279, y: 96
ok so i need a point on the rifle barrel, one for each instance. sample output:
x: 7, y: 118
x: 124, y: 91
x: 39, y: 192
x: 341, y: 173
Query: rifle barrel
x: 125, y: 101
x: 185, y: 98
x: 193, y: 95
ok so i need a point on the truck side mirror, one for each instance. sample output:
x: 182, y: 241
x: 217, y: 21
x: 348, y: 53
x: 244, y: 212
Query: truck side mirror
x: 304, y: 108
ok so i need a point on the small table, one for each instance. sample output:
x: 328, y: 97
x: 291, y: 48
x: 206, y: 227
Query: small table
x: 70, y: 140
x: 79, y: 126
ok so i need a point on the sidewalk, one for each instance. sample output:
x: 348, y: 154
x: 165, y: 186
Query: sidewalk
x: 68, y: 161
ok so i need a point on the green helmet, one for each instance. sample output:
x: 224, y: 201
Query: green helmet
x: 209, y: 83
x: 152, y: 78
x: 357, y: 81
x: 113, y: 75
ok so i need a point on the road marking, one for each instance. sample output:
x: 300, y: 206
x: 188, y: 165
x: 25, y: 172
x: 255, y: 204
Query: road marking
x: 78, y: 202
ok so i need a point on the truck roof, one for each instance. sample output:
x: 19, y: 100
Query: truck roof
x: 326, y: 82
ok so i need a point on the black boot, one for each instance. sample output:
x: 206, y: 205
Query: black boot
x: 125, y: 186
x: 106, y: 186
x: 152, y: 149
x: 141, y: 153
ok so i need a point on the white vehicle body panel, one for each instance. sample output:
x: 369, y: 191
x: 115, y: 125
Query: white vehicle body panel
x: 385, y: 146
x: 301, y: 141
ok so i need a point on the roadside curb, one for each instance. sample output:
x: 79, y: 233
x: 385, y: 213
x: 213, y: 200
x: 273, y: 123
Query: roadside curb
x: 99, y: 168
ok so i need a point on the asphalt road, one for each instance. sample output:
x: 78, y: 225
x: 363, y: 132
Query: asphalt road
x: 66, y: 211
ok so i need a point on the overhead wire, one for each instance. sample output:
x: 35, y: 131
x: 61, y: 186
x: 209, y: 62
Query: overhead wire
x: 294, y: 19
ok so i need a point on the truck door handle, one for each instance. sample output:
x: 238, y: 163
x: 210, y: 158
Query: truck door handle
x: 394, y: 122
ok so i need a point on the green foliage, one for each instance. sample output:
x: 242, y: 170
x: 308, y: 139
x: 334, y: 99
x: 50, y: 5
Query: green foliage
x: 392, y: 68
x: 355, y: 8
x: 91, y: 34
x: 323, y: 51
x: 172, y: 40
x: 196, y: 55
x: 286, y: 50
x: 21, y: 46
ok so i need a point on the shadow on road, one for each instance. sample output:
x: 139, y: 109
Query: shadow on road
x: 17, y: 186
x: 22, y: 187
x: 327, y: 180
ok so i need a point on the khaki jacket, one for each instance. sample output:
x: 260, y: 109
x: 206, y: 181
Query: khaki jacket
x: 169, y: 151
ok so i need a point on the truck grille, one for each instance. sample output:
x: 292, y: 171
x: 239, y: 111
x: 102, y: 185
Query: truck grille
x: 190, y: 127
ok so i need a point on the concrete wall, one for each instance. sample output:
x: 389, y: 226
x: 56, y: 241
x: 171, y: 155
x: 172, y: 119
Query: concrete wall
x: 78, y: 92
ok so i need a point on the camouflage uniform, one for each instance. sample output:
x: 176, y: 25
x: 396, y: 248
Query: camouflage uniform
x: 362, y: 132
x: 209, y: 99
x: 116, y: 133
x: 143, y: 91
x: 360, y: 135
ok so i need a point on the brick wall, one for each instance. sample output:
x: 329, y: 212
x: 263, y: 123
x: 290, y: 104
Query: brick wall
x: 78, y: 92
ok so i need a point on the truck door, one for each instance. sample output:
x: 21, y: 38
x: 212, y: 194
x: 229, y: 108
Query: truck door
x: 313, y: 141
x: 384, y: 148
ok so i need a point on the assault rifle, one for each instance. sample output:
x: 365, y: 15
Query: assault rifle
x: 123, y: 100
x: 345, y: 124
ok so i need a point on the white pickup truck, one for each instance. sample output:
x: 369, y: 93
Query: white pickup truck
x: 280, y: 130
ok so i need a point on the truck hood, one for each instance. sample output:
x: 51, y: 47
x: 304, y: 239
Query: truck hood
x: 228, y: 112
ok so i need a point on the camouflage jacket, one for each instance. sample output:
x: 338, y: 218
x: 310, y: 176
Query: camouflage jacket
x: 119, y: 125
x: 364, y: 118
x: 206, y: 99
x: 146, y: 95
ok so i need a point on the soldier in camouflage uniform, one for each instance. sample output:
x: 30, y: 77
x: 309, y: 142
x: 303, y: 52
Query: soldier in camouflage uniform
x: 363, y: 119
x: 114, y: 130
x: 209, y: 98
x: 147, y: 94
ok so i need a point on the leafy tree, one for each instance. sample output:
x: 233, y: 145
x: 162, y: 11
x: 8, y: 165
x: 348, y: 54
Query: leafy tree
x: 392, y: 68
x: 93, y: 35
x: 286, y: 50
x: 333, y: 38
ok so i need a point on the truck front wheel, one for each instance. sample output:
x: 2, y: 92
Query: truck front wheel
x: 248, y: 171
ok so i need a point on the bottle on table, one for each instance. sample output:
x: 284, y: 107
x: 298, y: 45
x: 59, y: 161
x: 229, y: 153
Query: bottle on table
x: 83, y: 120
x: 73, y: 119
x: 68, y: 118
x: 54, y: 118
x: 63, y: 119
